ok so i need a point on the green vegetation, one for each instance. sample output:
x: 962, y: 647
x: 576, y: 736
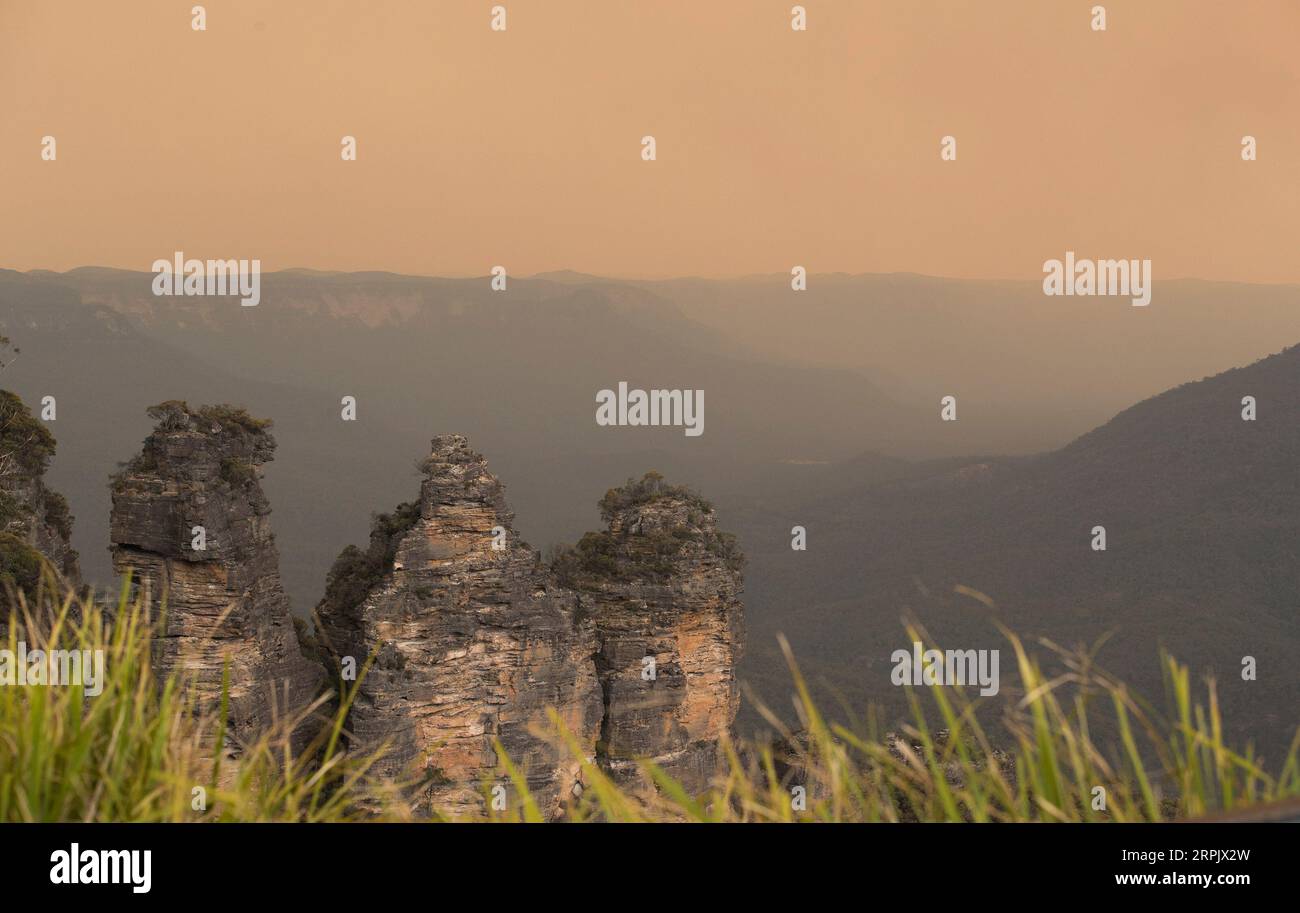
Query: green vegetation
x: 176, y: 415
x: 725, y: 546
x: 233, y: 418
x: 1050, y: 772
x: 650, y: 487
x: 237, y: 472
x: 26, y: 448
x: 171, y: 415
x: 625, y: 556
x: 603, y: 557
x: 20, y: 567
x: 136, y: 752
x: 308, y: 643
x: 355, y: 573
x: 57, y: 514
x: 11, y: 509
x: 953, y: 773
x: 26, y: 445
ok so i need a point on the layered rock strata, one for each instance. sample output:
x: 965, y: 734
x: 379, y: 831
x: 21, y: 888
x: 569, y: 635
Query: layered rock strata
x: 663, y: 586
x: 472, y: 642
x: 632, y: 636
x: 191, y: 524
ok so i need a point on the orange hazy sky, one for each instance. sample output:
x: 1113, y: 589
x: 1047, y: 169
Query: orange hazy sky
x: 775, y: 147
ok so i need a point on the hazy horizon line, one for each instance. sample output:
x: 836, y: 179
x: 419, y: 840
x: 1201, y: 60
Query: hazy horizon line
x: 569, y: 271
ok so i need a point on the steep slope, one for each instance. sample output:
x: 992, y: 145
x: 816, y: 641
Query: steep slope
x: 1033, y: 372
x: 118, y: 368
x: 529, y: 360
x: 632, y: 637
x: 34, y: 519
x: 472, y: 642
x: 663, y: 586
x: 516, y: 371
x: 191, y: 524
x: 1202, y: 517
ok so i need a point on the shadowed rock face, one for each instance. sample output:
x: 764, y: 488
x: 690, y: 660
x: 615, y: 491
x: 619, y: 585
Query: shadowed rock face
x: 472, y: 643
x: 663, y: 587
x: 32, y: 516
x: 199, y: 469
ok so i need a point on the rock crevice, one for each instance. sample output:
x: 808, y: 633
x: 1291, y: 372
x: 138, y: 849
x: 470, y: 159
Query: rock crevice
x: 472, y: 643
x: 474, y: 638
x: 663, y: 586
x: 465, y: 641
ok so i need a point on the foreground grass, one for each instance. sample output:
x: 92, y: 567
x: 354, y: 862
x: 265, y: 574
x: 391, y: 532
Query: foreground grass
x: 138, y: 751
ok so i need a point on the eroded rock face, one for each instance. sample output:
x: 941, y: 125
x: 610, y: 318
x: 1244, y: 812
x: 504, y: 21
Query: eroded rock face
x: 472, y: 643
x: 195, y: 483
x: 663, y: 586
x: 633, y: 636
x: 34, y: 519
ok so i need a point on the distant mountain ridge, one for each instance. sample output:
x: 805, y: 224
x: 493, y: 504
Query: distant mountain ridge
x: 519, y: 371
x: 1195, y: 501
x: 1202, y: 517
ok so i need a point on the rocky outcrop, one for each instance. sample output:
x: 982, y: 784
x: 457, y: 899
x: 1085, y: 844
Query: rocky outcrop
x: 471, y: 639
x: 632, y: 636
x: 662, y: 585
x: 34, y: 519
x: 191, y: 524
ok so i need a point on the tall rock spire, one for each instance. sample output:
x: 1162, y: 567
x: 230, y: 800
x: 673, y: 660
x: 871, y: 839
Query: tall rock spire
x: 191, y: 524
x: 663, y: 587
x: 472, y: 640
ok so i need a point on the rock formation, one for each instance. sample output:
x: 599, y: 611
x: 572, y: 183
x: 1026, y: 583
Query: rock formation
x: 472, y: 642
x: 632, y: 636
x: 34, y: 520
x: 191, y: 524
x: 663, y: 586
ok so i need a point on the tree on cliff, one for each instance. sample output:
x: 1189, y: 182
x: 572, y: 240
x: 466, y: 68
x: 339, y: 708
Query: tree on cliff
x: 26, y: 447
